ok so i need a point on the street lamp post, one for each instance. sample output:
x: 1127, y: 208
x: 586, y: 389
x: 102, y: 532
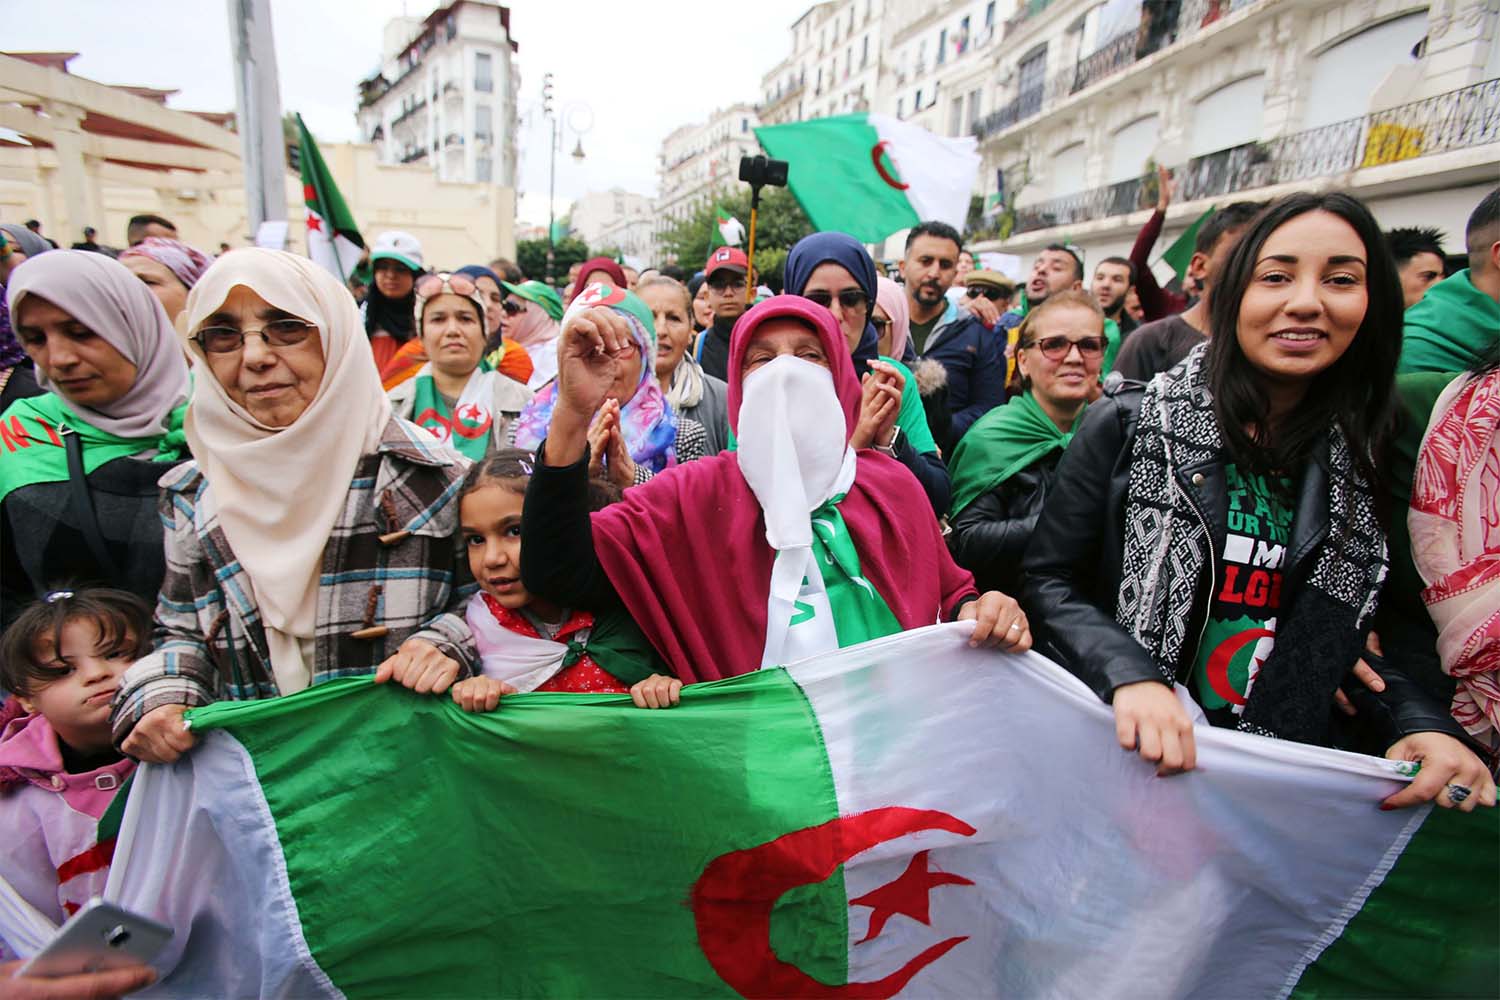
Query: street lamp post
x: 556, y: 144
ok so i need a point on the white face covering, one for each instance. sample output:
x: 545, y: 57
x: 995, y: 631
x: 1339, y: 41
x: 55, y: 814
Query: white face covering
x: 794, y: 454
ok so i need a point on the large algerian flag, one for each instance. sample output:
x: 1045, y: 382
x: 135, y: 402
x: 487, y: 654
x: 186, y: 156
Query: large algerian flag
x: 872, y: 175
x: 908, y: 816
x: 333, y: 240
x: 726, y: 231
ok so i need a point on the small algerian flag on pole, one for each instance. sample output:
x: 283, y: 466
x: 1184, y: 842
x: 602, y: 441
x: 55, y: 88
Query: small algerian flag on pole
x: 727, y: 230
x: 874, y: 175
x: 1181, y: 251
x: 333, y: 240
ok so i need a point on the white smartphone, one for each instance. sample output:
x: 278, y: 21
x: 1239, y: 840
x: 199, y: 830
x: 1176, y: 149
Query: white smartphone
x: 99, y: 936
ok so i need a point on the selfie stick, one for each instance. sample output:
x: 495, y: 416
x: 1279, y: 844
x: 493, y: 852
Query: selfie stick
x: 758, y: 171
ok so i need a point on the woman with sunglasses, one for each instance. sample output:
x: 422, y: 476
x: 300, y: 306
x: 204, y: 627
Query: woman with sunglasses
x: 834, y: 271
x: 78, y: 489
x: 456, y: 394
x: 1004, y: 467
x: 529, y: 316
x: 312, y: 536
x: 1219, y: 526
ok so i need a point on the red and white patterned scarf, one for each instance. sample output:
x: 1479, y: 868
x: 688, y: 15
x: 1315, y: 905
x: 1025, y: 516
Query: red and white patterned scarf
x: 1455, y: 540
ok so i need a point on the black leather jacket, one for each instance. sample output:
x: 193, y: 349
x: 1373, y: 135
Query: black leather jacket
x: 1073, y: 572
x: 989, y: 535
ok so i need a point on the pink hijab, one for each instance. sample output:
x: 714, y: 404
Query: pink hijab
x: 687, y: 551
x: 892, y: 298
x: 187, y: 263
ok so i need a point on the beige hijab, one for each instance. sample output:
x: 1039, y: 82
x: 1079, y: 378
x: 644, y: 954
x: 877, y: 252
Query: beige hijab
x: 278, y: 492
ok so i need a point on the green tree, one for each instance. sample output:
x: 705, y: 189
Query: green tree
x: 779, y: 224
x: 531, y: 258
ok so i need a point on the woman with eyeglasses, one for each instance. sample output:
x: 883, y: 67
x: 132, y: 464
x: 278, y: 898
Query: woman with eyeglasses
x: 834, y: 271
x: 78, y: 477
x: 1219, y: 527
x: 1004, y: 467
x: 312, y: 536
x: 635, y: 432
x: 456, y: 394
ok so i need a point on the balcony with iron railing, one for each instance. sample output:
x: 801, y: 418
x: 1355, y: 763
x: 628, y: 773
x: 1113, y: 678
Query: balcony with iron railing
x: 410, y: 112
x: 1459, y: 119
x: 1113, y: 57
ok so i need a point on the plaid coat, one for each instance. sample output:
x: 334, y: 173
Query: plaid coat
x: 393, y: 569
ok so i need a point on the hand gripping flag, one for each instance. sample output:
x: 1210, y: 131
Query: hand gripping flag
x: 906, y: 817
x: 872, y: 175
x: 333, y: 240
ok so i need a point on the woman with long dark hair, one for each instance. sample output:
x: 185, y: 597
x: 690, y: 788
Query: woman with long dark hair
x: 1218, y: 527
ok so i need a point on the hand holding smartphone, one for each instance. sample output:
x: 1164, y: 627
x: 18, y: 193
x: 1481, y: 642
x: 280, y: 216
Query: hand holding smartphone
x: 99, y: 937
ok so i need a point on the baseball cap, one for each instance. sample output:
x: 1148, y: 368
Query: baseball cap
x: 732, y: 258
x: 397, y: 246
x: 540, y: 293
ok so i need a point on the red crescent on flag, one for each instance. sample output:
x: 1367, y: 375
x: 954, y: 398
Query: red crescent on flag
x: 733, y: 899
x: 885, y: 175
x: 1217, y: 667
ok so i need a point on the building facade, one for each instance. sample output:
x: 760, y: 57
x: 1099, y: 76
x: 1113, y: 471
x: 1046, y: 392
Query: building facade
x: 444, y: 97
x: 834, y: 65
x: 1395, y: 101
x: 698, y: 161
x: 75, y: 153
x: 616, y: 221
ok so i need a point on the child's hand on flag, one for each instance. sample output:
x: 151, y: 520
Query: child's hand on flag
x: 480, y: 694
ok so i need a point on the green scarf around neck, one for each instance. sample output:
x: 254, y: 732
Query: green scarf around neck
x: 1000, y: 444
x: 32, y: 451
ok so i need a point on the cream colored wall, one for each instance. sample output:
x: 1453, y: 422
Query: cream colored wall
x: 457, y: 223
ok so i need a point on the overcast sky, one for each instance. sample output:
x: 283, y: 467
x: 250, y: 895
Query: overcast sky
x: 644, y: 68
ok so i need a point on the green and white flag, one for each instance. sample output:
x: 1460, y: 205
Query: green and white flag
x: 905, y: 817
x: 727, y: 231
x: 873, y: 175
x: 333, y: 240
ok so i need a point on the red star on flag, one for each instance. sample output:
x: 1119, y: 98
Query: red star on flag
x: 908, y: 895
x: 313, y: 222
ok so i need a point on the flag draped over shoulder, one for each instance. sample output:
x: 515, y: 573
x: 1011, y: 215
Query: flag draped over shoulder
x: 909, y: 816
x: 333, y: 240
x: 872, y: 175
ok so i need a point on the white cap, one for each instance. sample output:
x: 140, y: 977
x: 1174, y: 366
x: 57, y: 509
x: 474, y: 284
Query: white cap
x: 397, y: 246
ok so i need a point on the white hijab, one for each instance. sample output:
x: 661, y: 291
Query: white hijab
x: 278, y: 492
x: 797, y: 459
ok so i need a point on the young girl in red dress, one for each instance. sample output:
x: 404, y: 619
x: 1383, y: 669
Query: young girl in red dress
x: 526, y: 643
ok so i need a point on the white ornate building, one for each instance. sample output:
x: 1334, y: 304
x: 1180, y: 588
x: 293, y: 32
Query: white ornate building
x: 697, y: 161
x: 834, y: 65
x: 445, y: 94
x: 1393, y: 100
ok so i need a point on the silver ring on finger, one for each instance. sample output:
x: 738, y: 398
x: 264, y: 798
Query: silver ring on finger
x: 1459, y: 792
x: 1014, y: 627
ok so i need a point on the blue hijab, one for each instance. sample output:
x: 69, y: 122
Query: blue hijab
x: 847, y: 252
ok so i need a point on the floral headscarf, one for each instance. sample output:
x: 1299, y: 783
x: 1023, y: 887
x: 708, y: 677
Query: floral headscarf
x: 647, y: 420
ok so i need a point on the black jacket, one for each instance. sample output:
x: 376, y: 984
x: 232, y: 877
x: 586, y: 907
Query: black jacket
x: 1073, y: 570
x: 989, y: 535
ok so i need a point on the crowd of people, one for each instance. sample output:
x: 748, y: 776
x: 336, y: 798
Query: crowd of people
x: 1276, y: 489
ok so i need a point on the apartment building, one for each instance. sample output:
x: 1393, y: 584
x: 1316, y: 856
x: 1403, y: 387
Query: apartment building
x: 617, y: 221
x: 1395, y: 101
x: 444, y: 96
x: 697, y: 161
x: 834, y: 65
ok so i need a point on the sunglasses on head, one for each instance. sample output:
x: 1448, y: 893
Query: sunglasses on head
x: 435, y: 284
x: 993, y: 294
x: 849, y: 298
x: 1057, y: 348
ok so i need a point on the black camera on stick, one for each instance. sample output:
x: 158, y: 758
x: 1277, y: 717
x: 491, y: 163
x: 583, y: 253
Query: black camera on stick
x: 758, y: 171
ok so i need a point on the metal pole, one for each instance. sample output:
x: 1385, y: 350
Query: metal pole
x: 551, y: 202
x: 258, y: 111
